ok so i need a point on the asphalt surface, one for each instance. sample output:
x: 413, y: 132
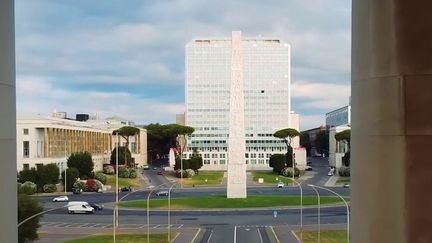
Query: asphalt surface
x: 218, y: 226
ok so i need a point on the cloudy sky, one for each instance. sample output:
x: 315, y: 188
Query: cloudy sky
x: 126, y: 58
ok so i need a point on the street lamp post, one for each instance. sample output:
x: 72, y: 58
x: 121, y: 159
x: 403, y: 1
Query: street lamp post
x: 169, y: 213
x: 301, y: 209
x: 65, y: 177
x: 319, y: 212
x: 148, y: 210
x: 346, y: 205
x: 115, y: 216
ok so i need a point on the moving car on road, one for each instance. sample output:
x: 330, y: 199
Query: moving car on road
x: 160, y: 173
x: 95, y: 206
x: 280, y: 185
x: 79, y: 207
x: 162, y: 193
x: 61, y: 199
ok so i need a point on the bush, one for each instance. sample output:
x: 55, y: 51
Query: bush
x: 28, y: 206
x: 123, y: 172
x: 101, y: 177
x: 189, y: 173
x: 109, y: 170
x: 178, y: 173
x: 287, y: 171
x: 344, y: 171
x: 19, y: 187
x: 133, y: 173
x: 80, y: 185
x: 91, y: 185
x: 277, y: 162
x: 27, y: 175
x: 49, y: 188
x: 28, y: 188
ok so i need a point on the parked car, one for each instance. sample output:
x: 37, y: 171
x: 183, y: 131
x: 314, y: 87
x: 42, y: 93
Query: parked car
x: 154, y: 168
x: 76, y: 190
x: 95, y: 206
x: 280, y: 184
x: 146, y: 167
x: 162, y: 193
x: 80, y: 207
x: 346, y: 185
x: 309, y: 163
x: 60, y: 199
x: 126, y: 189
x: 308, y: 168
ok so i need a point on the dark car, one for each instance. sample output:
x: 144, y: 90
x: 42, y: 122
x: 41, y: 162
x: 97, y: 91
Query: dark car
x: 160, y: 173
x: 126, y: 189
x: 76, y: 190
x: 97, y: 207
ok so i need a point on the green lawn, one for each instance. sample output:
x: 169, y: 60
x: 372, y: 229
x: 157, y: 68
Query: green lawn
x: 213, y: 178
x: 270, y: 177
x: 327, y: 236
x: 252, y: 201
x: 344, y: 180
x: 121, y: 238
x: 123, y: 182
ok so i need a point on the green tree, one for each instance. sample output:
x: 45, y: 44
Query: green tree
x: 47, y: 174
x: 287, y: 135
x: 305, y: 141
x: 27, y: 175
x: 277, y: 162
x: 28, y: 206
x: 322, y: 142
x: 83, y: 162
x: 72, y: 175
x: 126, y: 132
x: 345, y: 136
x: 196, y: 162
x: 123, y: 155
x: 158, y: 141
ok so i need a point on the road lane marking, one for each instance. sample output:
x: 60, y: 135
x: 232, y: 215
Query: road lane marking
x: 259, y: 233
x: 211, y: 233
x: 295, y: 235
x: 154, y: 227
x: 235, y: 234
x: 196, y: 235
x: 274, y: 234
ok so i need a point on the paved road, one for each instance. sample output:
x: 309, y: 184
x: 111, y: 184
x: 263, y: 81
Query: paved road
x: 320, y: 168
x: 191, y: 192
x: 154, y: 178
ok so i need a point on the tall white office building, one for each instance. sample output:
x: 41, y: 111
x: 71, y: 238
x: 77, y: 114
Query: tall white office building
x: 266, y: 74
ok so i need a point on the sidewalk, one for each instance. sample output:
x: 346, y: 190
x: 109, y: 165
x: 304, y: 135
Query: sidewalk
x: 332, y: 181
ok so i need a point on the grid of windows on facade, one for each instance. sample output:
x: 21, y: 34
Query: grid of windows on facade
x: 220, y: 158
x: 338, y: 117
x: 266, y: 76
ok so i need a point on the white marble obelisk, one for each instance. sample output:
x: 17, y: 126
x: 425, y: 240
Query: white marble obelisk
x: 236, y: 186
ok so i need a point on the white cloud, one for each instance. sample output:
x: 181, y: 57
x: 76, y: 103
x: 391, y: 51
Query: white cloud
x: 324, y: 96
x: 311, y: 121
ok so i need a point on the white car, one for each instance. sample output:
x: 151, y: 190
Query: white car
x: 61, y: 199
x: 280, y: 185
x: 80, y: 207
x: 162, y: 193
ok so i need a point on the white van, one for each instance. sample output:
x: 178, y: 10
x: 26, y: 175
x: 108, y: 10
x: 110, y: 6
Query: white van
x: 79, y: 207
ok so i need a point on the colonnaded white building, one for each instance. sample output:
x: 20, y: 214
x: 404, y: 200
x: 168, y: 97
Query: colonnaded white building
x: 45, y: 139
x: 267, y: 100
